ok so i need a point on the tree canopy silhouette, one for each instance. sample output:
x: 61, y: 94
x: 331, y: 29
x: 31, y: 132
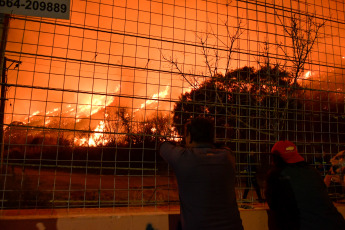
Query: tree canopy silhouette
x: 244, y: 103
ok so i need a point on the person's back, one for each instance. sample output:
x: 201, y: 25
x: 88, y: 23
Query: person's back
x: 298, y: 197
x: 206, y: 181
x: 303, y: 197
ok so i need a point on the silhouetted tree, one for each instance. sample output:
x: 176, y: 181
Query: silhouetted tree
x: 245, y: 102
x: 121, y: 127
x: 303, y: 30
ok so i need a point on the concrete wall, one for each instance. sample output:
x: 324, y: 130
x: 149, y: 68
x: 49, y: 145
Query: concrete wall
x: 115, y: 219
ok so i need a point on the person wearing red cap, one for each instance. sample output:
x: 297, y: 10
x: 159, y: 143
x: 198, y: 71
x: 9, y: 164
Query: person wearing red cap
x: 296, y: 194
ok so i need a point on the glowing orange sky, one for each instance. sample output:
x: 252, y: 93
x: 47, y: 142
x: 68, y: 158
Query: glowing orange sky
x: 115, y: 48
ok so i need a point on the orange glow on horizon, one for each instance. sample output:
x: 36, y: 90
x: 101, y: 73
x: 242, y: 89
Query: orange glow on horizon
x: 118, y: 53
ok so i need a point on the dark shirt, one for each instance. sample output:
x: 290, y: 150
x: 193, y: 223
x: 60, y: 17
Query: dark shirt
x: 298, y: 199
x: 206, y: 181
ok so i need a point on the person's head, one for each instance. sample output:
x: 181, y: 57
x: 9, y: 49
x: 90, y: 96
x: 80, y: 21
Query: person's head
x: 199, y: 130
x: 285, y: 152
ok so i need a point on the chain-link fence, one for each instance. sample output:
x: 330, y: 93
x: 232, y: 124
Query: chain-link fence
x: 86, y: 101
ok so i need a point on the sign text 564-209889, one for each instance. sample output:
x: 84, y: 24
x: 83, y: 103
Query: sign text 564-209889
x: 39, y: 8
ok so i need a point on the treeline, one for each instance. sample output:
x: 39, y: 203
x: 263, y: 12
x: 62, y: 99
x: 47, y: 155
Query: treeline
x: 251, y: 110
x: 124, y: 146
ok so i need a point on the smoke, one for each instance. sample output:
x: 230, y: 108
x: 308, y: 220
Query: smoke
x: 73, y: 70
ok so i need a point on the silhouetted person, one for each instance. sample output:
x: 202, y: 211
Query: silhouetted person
x: 335, y: 179
x: 149, y: 227
x: 251, y: 179
x: 206, y: 179
x: 297, y: 195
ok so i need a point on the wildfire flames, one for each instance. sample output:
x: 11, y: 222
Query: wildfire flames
x: 98, y: 53
x: 155, y: 98
x: 95, y: 139
x: 91, y: 111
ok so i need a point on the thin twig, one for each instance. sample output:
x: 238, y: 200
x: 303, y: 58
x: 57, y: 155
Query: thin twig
x: 175, y: 64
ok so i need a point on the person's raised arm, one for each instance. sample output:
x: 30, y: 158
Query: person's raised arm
x: 170, y: 152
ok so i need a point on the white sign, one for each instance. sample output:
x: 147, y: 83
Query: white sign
x: 39, y: 8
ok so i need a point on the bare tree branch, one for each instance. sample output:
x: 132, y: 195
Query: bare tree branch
x: 303, y: 37
x: 205, y: 53
x: 238, y: 32
x: 175, y: 65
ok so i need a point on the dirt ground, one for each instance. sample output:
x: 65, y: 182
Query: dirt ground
x: 49, y: 188
x: 53, y: 188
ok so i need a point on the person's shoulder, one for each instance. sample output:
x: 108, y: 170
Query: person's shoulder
x: 167, y: 143
x: 169, y: 146
x: 222, y: 147
x: 222, y: 150
x: 171, y: 151
x: 275, y: 172
x: 301, y: 166
x: 226, y: 154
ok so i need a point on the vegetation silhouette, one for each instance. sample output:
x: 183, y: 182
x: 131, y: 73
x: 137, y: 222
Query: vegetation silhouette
x: 243, y: 103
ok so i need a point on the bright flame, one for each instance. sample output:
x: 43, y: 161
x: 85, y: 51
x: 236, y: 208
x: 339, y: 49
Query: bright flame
x: 155, y: 98
x: 47, y: 122
x: 95, y: 106
x: 99, y: 132
x: 174, y: 137
x: 304, y: 77
x: 97, y: 103
x: 33, y: 114
x: 83, y: 110
x: 95, y: 139
x: 307, y: 75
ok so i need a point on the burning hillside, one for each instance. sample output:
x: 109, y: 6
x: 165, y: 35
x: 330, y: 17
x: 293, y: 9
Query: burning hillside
x: 92, y: 123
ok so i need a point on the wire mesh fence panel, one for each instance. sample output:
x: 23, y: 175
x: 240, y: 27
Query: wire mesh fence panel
x: 87, y: 100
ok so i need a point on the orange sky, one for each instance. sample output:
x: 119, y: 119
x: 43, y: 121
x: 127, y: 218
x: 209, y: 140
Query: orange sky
x: 115, y: 48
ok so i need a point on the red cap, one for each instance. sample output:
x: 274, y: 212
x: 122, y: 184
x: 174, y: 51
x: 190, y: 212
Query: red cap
x: 288, y: 151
